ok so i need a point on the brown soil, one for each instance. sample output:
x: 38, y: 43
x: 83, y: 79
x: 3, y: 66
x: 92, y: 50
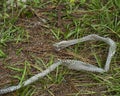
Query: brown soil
x: 39, y: 45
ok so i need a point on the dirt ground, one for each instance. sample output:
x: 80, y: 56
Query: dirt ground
x: 39, y: 45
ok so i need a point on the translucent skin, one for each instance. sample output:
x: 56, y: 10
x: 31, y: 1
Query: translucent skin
x: 71, y: 64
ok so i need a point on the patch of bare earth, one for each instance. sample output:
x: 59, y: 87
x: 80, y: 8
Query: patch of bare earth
x: 40, y: 45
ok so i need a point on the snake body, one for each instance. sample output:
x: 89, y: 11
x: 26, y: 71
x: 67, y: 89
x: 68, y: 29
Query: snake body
x: 71, y: 64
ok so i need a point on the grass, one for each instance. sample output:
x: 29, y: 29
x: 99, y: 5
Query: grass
x: 73, y: 20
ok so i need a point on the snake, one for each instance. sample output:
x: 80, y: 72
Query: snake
x: 71, y: 64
